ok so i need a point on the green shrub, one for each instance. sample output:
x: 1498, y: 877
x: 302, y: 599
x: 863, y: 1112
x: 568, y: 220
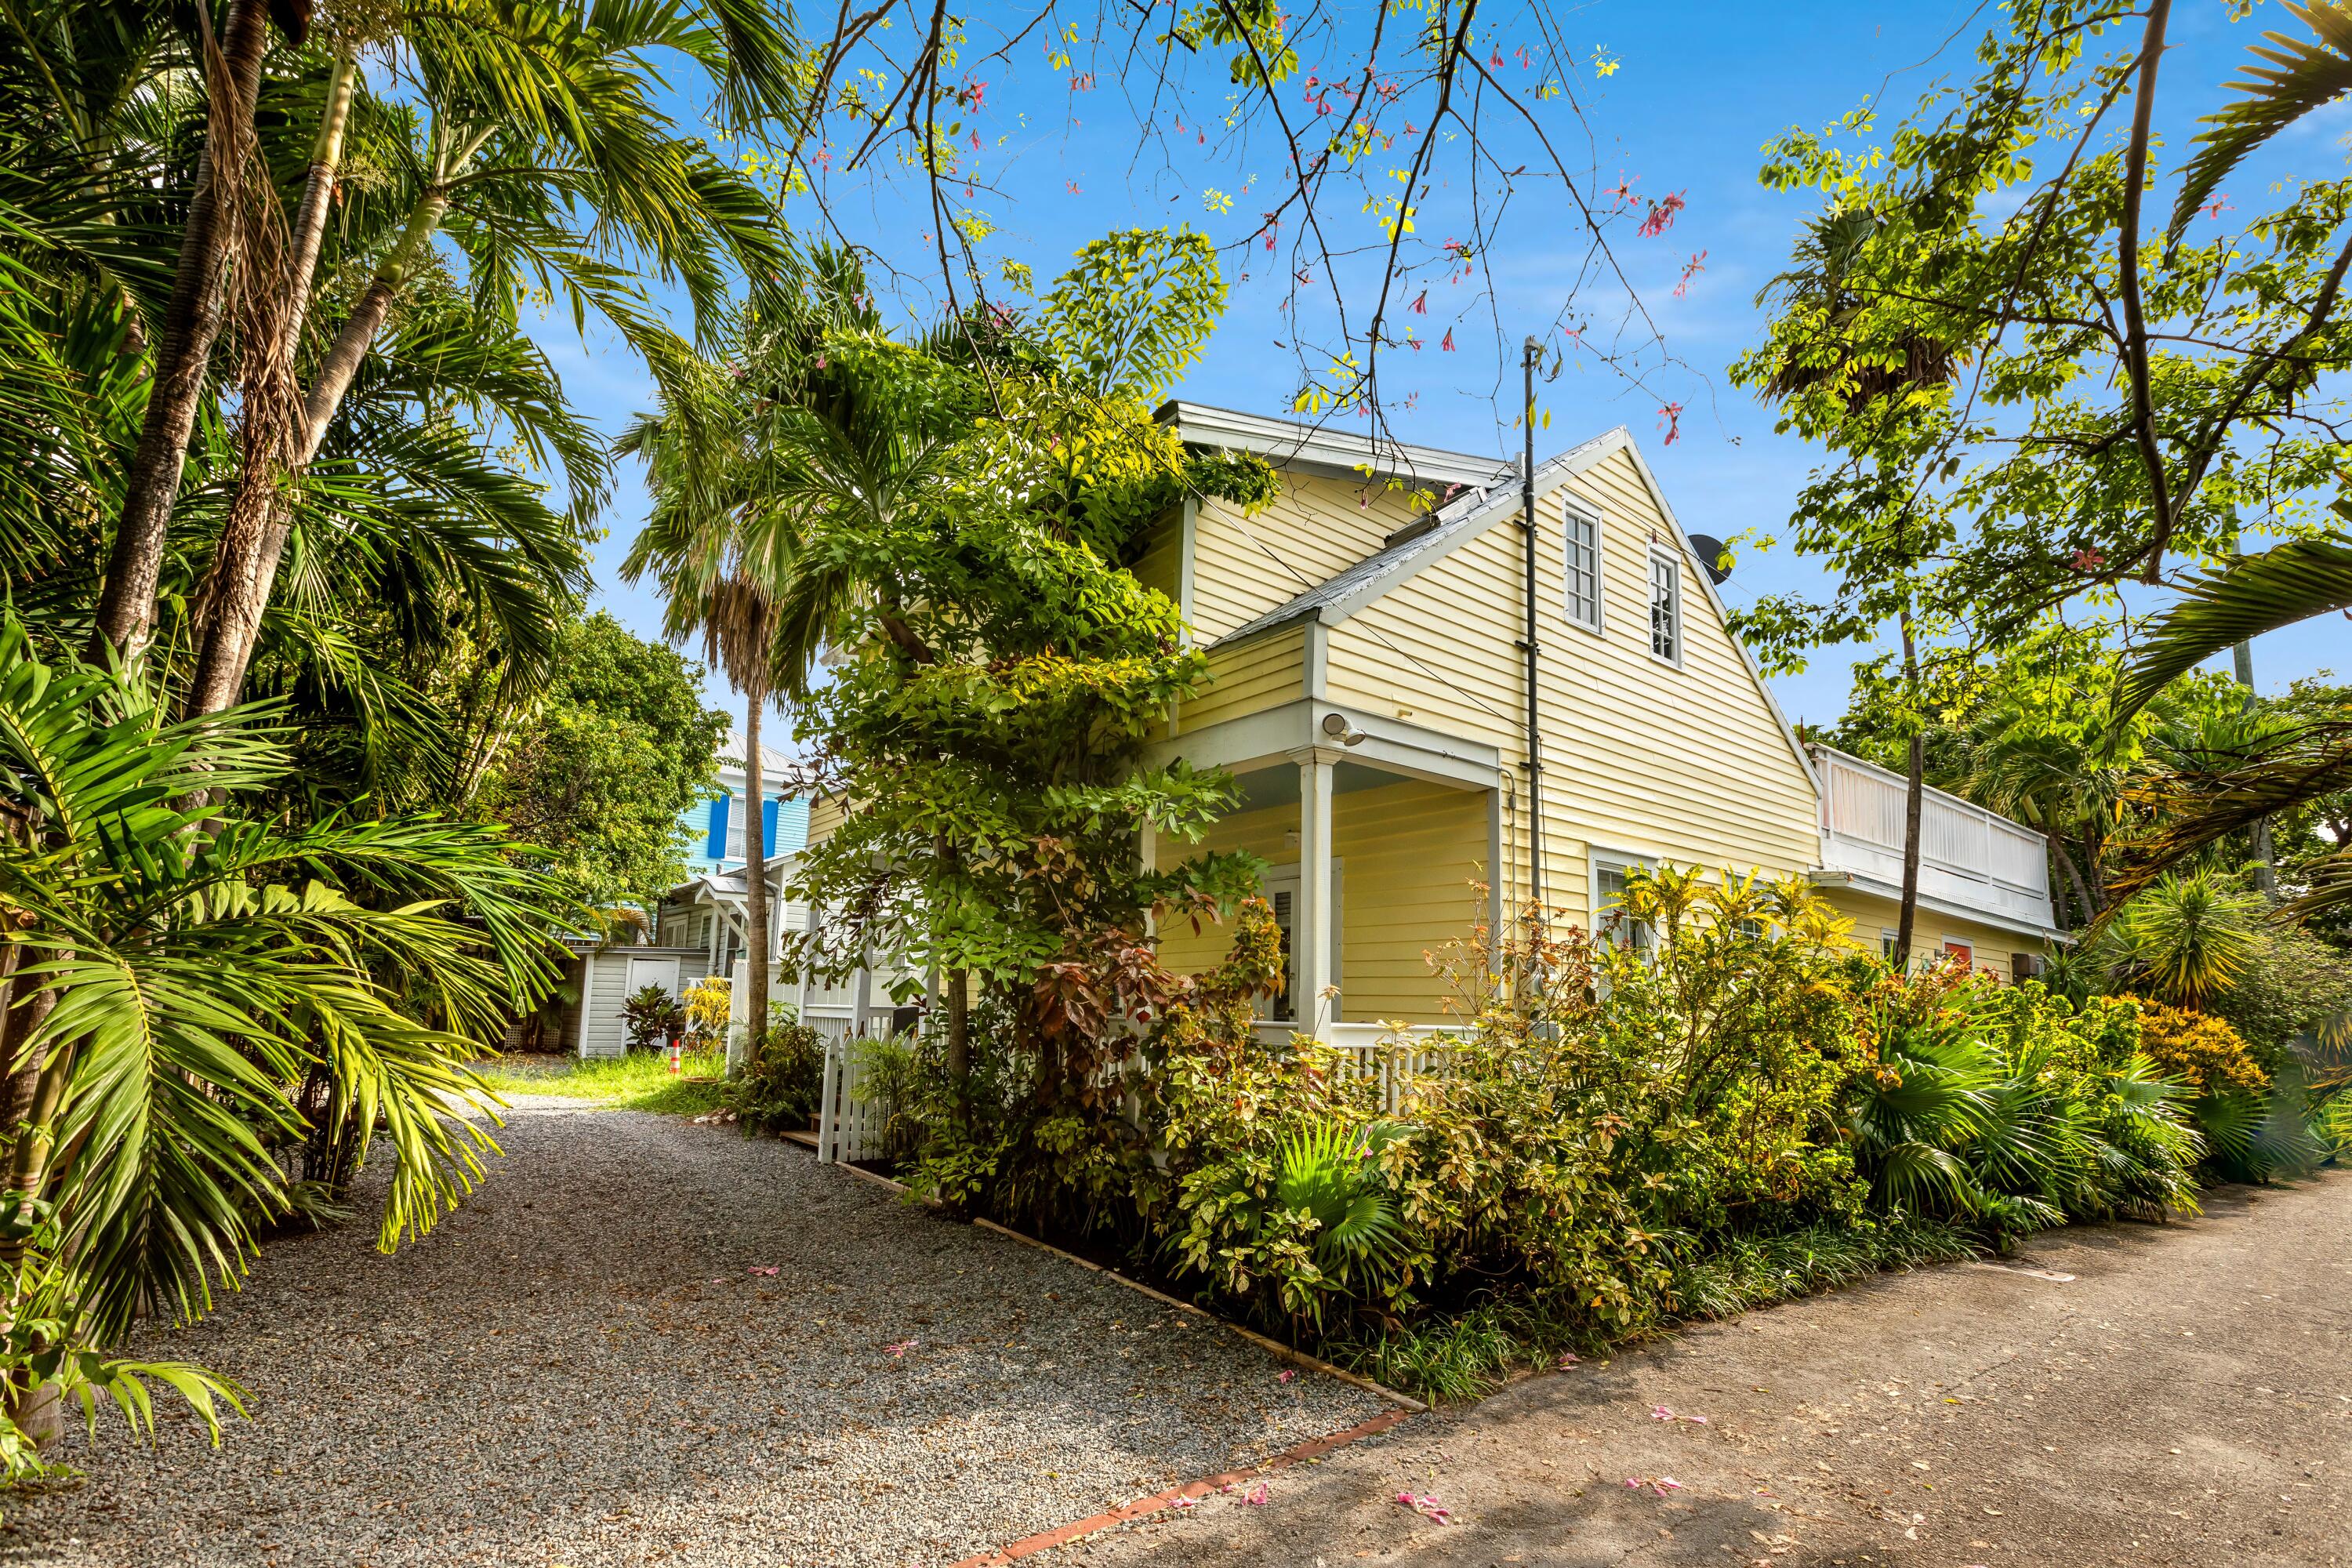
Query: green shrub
x: 2010, y: 1109
x: 2199, y: 1050
x: 783, y: 1074
x: 650, y: 1015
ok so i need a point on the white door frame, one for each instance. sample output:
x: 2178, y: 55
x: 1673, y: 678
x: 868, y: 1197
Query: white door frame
x: 1285, y: 879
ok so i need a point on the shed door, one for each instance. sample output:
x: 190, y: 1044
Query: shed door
x: 644, y: 972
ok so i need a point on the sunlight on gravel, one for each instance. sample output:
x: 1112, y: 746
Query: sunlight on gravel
x: 648, y: 1342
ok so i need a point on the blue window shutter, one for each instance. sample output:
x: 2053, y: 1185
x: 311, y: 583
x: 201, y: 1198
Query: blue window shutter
x: 718, y: 846
x: 768, y: 828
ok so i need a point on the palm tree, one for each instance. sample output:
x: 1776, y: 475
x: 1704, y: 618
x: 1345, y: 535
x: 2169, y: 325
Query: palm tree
x: 180, y: 970
x: 725, y: 538
x: 718, y: 585
x: 523, y: 117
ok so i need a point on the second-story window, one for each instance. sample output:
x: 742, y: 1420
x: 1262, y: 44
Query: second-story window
x: 1582, y: 570
x: 735, y: 815
x: 1666, y: 608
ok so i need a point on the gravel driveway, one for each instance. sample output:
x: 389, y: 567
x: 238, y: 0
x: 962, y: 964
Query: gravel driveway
x: 581, y: 1368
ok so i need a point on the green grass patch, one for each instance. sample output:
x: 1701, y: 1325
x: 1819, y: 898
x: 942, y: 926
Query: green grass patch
x: 639, y: 1082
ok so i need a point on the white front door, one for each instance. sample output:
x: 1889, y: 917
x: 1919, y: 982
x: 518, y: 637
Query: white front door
x: 1281, y: 887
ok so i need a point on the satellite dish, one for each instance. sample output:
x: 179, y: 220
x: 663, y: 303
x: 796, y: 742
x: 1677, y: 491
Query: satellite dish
x: 1709, y: 551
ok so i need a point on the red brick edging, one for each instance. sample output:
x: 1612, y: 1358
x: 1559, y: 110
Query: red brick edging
x: 1064, y: 1534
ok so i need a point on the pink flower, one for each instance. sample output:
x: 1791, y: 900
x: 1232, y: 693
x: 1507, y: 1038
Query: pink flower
x: 902, y: 1347
x: 1286, y: 1377
x: 1255, y: 1497
x: 1661, y: 216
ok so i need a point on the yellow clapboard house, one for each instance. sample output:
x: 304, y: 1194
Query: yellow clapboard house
x: 1370, y: 693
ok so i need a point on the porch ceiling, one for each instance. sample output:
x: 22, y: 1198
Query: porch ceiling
x: 1387, y: 747
x: 1278, y: 784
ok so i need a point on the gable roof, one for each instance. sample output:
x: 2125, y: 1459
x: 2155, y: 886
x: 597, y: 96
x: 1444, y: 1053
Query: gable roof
x: 1470, y: 515
x: 1456, y: 523
x: 1344, y: 454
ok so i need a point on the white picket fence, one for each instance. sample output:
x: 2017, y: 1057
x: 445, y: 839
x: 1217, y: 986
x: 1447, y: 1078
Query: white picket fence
x: 1393, y: 1058
x: 850, y: 1126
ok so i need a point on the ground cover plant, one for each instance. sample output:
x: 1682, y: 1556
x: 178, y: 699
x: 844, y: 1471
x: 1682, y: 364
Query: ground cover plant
x: 641, y: 1080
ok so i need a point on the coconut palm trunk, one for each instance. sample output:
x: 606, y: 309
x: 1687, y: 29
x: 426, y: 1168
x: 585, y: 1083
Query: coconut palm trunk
x: 184, y: 347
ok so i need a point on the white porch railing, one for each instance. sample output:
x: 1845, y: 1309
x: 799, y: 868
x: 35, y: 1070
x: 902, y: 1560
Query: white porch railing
x: 1390, y: 1057
x: 1968, y: 856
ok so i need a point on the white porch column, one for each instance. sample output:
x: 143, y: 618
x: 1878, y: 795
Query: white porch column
x: 1311, y: 933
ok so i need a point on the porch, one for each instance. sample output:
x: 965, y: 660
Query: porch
x: 1380, y: 839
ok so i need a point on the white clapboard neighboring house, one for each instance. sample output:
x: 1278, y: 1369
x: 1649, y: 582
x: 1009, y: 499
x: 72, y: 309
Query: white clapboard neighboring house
x: 699, y: 927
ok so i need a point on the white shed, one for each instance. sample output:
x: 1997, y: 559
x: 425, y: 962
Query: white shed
x: 606, y: 977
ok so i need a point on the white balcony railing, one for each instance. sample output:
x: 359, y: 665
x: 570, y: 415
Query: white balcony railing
x: 1970, y: 858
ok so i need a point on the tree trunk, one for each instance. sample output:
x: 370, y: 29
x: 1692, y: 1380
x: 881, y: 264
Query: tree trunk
x: 1915, y: 794
x: 2059, y: 872
x: 245, y: 569
x: 183, y: 351
x: 755, y: 889
x: 959, y: 988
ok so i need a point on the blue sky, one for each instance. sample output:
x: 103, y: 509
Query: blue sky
x: 1696, y: 90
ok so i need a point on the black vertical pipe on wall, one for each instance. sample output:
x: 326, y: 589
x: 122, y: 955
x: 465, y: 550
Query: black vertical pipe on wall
x: 1529, y: 355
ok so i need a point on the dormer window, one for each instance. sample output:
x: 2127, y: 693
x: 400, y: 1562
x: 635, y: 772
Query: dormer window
x: 1666, y: 608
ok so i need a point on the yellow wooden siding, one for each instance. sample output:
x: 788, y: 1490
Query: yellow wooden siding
x: 1318, y: 528
x: 1874, y: 916
x: 824, y: 816
x: 1409, y: 854
x: 1161, y: 564
x: 1683, y: 764
x: 1264, y: 672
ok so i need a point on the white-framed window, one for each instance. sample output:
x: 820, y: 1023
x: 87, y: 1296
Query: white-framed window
x: 1609, y: 925
x: 1886, y: 940
x: 1581, y: 570
x: 1666, y: 608
x: 735, y: 815
x: 1753, y: 931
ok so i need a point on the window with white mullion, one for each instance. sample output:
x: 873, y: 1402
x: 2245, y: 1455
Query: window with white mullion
x: 1581, y: 570
x: 1666, y: 608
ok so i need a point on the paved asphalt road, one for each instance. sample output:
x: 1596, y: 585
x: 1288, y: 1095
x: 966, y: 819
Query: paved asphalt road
x: 2184, y: 1398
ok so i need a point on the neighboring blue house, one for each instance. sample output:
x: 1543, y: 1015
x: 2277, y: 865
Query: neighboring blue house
x: 720, y: 825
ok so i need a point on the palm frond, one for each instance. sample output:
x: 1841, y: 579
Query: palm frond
x: 2304, y: 76
x: 2254, y: 593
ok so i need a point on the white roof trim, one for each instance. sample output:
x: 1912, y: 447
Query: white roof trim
x: 1499, y: 505
x: 1288, y: 444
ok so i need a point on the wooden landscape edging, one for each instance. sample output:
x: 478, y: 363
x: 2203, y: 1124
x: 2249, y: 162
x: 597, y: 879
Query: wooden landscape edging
x: 1273, y: 1347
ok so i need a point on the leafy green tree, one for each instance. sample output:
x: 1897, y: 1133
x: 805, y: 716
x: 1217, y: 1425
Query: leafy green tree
x: 999, y: 672
x: 599, y: 777
x: 2007, y: 319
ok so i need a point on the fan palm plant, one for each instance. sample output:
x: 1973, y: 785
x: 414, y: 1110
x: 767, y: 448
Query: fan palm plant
x: 177, y: 969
